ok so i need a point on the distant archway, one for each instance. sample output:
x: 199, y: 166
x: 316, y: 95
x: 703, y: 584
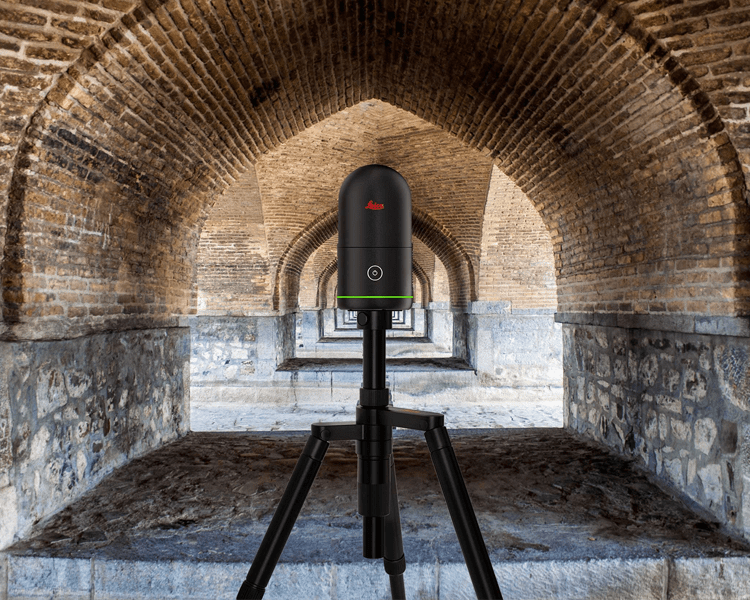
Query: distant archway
x: 425, y: 228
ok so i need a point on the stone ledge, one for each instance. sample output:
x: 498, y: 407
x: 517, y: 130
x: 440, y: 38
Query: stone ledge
x: 704, y: 325
x: 394, y: 364
x: 599, y: 579
x: 57, y: 331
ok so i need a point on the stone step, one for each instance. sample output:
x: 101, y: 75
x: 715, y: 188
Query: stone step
x: 305, y: 390
x: 562, y: 518
x: 254, y: 409
x: 30, y: 578
x: 400, y: 347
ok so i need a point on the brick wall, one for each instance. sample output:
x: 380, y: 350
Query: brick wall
x: 298, y: 185
x: 232, y: 269
x: 440, y: 285
x: 320, y: 261
x: 517, y: 263
x: 37, y: 41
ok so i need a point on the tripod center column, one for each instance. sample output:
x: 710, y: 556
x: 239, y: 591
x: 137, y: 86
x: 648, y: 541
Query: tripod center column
x: 373, y: 325
x: 375, y: 448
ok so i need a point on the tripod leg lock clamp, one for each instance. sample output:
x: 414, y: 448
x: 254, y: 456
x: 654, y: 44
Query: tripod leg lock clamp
x: 248, y: 591
x: 395, y: 567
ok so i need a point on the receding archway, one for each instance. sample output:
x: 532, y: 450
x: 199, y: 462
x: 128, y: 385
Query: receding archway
x: 424, y: 227
x: 628, y: 142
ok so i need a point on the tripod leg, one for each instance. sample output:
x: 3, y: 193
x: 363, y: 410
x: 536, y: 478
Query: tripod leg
x: 462, y: 514
x: 283, y: 520
x: 393, y: 557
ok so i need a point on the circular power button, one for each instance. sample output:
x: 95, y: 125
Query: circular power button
x: 374, y: 273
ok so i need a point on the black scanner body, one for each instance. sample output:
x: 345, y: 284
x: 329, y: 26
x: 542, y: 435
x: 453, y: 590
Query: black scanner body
x: 375, y: 247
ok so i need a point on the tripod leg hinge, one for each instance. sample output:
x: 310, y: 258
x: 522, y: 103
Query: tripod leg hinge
x: 395, y: 567
x: 437, y: 439
x: 248, y: 591
x: 315, y: 448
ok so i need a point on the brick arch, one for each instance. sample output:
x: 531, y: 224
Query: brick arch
x: 331, y: 268
x: 424, y: 281
x: 588, y: 107
x: 321, y: 299
x: 295, y: 255
x: 424, y: 227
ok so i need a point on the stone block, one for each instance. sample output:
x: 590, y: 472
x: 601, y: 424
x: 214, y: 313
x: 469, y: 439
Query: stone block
x: 489, y: 308
x: 3, y: 577
x: 141, y: 580
x: 733, y: 370
x: 713, y: 486
x: 718, y: 325
x: 709, y: 578
x: 705, y: 434
x: 728, y: 437
x: 366, y: 580
x: 42, y: 577
x: 670, y: 322
x: 563, y: 580
x: 352, y: 379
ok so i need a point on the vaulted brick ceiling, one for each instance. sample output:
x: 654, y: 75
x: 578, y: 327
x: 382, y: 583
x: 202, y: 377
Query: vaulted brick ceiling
x: 298, y: 183
x: 625, y: 123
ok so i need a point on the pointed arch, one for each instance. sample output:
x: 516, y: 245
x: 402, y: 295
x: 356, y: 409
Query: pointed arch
x: 424, y: 227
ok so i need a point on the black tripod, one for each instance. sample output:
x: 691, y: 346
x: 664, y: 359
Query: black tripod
x: 376, y: 479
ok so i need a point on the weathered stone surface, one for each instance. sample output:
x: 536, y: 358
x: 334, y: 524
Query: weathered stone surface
x: 676, y: 407
x: 553, y: 510
x: 77, y: 409
x: 724, y: 576
x: 38, y: 577
x: 241, y: 380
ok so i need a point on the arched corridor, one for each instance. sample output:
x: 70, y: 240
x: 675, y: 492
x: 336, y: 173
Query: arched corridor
x: 130, y: 130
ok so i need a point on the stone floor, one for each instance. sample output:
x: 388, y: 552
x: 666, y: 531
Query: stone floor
x: 236, y: 413
x: 562, y: 518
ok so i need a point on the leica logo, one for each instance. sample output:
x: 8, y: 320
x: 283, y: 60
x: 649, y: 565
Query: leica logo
x: 374, y: 205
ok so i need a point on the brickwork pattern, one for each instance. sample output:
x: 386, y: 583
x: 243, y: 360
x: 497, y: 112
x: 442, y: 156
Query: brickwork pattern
x: 441, y: 288
x: 448, y: 183
x: 232, y: 269
x: 316, y: 162
x: 323, y: 260
x: 120, y: 134
x: 300, y: 182
x: 676, y: 402
x: 517, y: 263
x: 37, y: 42
x: 327, y: 282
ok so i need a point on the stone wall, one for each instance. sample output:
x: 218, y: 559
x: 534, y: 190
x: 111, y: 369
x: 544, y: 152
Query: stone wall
x: 237, y: 383
x: 238, y: 350
x: 676, y: 401
x: 71, y: 411
x: 518, y: 348
x: 233, y: 363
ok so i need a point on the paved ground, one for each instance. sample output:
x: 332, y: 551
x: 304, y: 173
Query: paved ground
x: 542, y: 497
x: 237, y: 414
